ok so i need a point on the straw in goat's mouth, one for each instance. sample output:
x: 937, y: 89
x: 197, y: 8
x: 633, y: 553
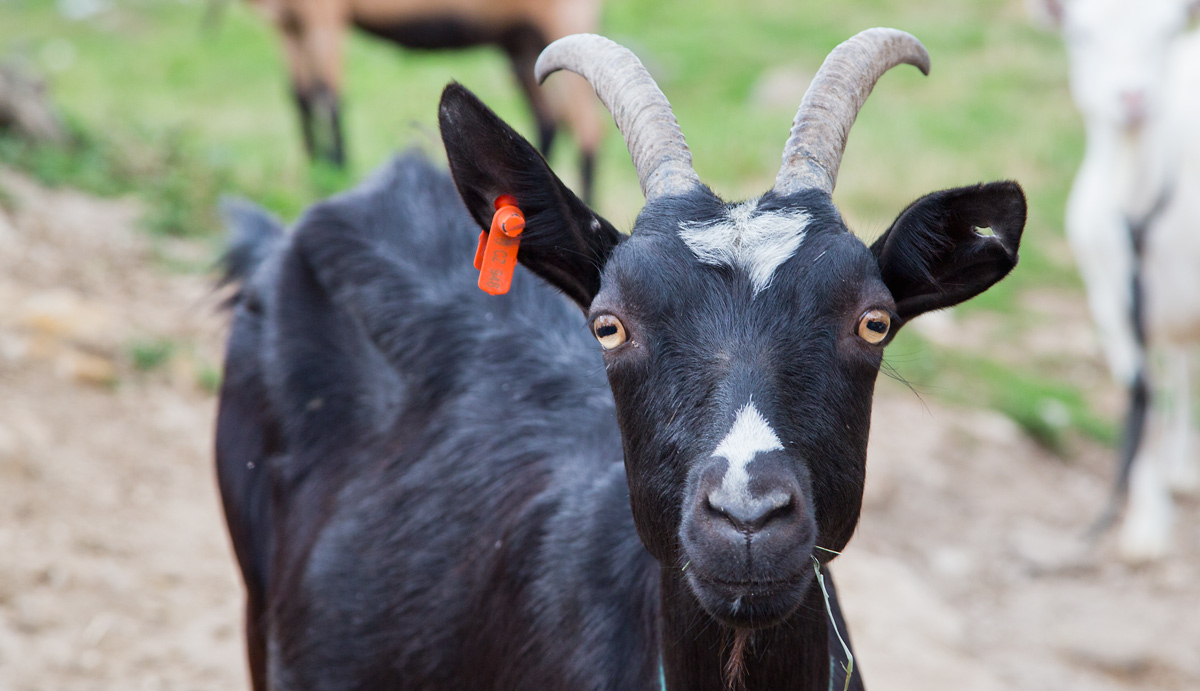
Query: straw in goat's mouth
x: 849, y: 666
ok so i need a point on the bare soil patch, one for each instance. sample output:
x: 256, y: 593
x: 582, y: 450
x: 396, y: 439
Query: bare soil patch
x: 114, y: 568
x: 969, y: 569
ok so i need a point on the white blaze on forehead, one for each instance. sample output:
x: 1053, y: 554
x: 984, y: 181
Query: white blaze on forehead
x: 757, y: 243
x: 749, y: 436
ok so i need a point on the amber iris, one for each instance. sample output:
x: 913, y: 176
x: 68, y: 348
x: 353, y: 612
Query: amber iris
x: 609, y: 331
x: 873, y: 327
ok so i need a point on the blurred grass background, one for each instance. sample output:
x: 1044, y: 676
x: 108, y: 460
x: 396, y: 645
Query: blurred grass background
x: 175, y: 111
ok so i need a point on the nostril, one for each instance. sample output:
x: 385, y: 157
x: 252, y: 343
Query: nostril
x: 747, y: 513
x: 780, y: 511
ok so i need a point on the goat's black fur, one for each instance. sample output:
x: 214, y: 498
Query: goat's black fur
x: 249, y: 437
x: 433, y: 488
x: 393, y: 439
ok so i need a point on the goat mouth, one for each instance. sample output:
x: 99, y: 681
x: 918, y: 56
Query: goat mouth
x: 750, y: 603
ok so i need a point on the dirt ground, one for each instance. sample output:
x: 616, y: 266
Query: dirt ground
x: 115, y: 572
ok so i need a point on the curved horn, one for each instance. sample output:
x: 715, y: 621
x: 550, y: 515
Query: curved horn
x: 814, y: 149
x: 652, y: 135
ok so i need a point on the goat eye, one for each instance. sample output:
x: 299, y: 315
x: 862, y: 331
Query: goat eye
x: 873, y: 327
x: 609, y: 331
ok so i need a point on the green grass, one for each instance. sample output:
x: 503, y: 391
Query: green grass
x: 208, y: 378
x: 1050, y: 409
x: 178, y: 114
x: 7, y: 201
x: 149, y: 355
x: 146, y: 76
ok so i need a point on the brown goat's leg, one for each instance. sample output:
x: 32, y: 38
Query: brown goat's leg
x: 313, y: 43
x: 324, y: 42
x: 523, y: 43
x: 587, y: 175
x: 327, y: 118
x: 337, y: 153
x: 339, y: 149
x: 573, y: 98
x: 304, y: 108
x: 303, y: 82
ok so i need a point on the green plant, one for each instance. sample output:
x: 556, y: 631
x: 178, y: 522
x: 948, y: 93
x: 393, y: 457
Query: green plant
x: 208, y: 378
x: 149, y: 355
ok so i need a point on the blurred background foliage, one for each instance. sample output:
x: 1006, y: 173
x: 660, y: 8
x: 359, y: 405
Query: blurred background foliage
x: 165, y: 103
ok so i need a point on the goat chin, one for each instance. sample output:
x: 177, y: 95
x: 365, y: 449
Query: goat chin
x: 751, y: 605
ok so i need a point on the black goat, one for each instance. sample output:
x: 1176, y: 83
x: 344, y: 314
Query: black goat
x: 433, y: 488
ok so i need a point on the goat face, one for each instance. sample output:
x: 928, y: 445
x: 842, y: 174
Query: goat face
x: 1119, y: 54
x: 742, y: 342
x: 743, y: 389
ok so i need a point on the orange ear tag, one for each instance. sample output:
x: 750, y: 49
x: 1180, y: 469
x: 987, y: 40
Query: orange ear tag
x: 496, y: 256
x: 479, y: 250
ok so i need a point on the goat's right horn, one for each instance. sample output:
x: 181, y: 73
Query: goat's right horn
x: 814, y: 150
x: 642, y: 113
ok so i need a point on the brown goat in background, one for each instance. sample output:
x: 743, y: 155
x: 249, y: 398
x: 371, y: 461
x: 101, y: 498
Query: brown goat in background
x: 314, y: 32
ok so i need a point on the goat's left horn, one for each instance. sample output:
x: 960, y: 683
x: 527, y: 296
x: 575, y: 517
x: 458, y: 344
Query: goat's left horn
x: 642, y: 113
x: 814, y: 150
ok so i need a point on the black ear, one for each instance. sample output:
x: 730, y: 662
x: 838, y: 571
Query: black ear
x: 939, y: 252
x: 564, y: 241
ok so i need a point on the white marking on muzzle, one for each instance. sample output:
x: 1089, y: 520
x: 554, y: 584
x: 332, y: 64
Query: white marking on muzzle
x: 749, y: 436
x: 756, y: 243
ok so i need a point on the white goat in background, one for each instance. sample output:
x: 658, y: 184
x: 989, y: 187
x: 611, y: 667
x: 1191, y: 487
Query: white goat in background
x: 1135, y: 77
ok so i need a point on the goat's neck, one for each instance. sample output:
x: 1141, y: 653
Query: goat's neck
x: 793, y: 656
x: 1132, y: 164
